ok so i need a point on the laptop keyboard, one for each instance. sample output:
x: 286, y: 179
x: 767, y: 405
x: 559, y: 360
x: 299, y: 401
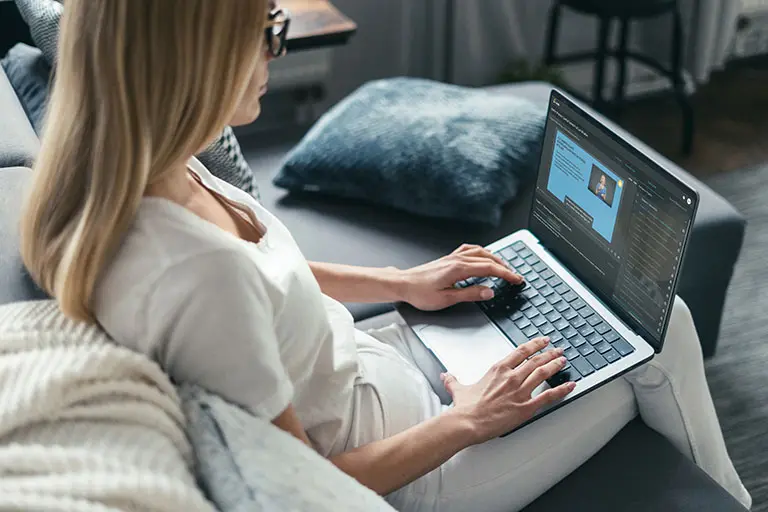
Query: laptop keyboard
x: 546, y: 306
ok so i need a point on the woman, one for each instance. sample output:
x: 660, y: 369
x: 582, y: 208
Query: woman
x: 125, y: 228
x: 601, y: 190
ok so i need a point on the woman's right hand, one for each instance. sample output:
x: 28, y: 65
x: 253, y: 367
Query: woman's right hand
x: 501, y: 400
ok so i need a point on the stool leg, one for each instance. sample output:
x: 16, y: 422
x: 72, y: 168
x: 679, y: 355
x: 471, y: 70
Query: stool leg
x: 679, y: 83
x: 552, y: 33
x: 602, y: 53
x: 621, y: 58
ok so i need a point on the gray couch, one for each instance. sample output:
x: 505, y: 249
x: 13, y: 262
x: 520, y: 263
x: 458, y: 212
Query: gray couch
x: 637, y: 471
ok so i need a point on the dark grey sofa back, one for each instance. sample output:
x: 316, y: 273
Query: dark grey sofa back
x: 18, y: 142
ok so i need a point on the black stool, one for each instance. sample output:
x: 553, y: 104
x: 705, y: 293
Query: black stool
x: 625, y: 11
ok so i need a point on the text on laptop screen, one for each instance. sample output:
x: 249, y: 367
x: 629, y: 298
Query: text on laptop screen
x: 616, y: 220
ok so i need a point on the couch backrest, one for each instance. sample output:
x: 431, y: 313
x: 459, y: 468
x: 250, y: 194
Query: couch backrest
x: 18, y: 142
x: 15, y: 283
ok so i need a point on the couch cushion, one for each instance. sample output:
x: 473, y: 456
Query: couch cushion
x: 18, y: 142
x: 15, y: 283
x: 420, y: 146
x: 638, y: 471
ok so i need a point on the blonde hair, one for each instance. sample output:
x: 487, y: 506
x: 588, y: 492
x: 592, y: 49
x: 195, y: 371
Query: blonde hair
x: 140, y: 86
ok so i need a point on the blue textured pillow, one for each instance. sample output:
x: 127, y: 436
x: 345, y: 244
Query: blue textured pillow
x: 29, y: 73
x: 421, y: 146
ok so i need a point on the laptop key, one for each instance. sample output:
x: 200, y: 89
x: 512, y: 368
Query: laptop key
x: 611, y: 356
x: 523, y: 269
x: 570, y: 374
x: 539, y: 267
x: 578, y: 304
x: 561, y: 288
x: 582, y: 365
x: 593, y: 320
x: 518, y: 246
x: 530, y: 332
x: 554, y: 281
x: 586, y: 312
x: 530, y: 312
x: 603, y: 347
x: 569, y: 314
x: 570, y: 296
x: 611, y: 336
x: 597, y: 360
x: 571, y: 353
x: 539, y: 284
x: 524, y: 252
x: 517, y: 315
x: 585, y: 330
x: 562, y: 343
x: 546, y: 309
x: 577, y: 341
x: 546, y: 274
x: 578, y: 322
x: 594, y: 338
x: 561, y: 324
x: 546, y: 291
x: 555, y: 337
x: 538, y: 320
x: 569, y: 332
x: 508, y: 253
x: 602, y: 328
x: 623, y: 348
x: 585, y: 349
x: 522, y: 323
x: 547, y: 329
x: 538, y: 300
x: 553, y: 316
x: 555, y: 300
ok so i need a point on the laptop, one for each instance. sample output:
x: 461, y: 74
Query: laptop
x: 607, y: 234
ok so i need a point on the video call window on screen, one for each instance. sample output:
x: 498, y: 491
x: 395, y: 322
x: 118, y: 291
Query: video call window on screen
x: 587, y: 188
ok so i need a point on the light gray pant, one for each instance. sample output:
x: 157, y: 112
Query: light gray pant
x: 400, y: 387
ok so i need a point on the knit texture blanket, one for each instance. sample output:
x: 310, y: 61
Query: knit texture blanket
x: 86, y: 425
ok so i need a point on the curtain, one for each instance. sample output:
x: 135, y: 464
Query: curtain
x: 488, y: 34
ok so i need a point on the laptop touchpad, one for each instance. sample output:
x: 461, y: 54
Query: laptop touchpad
x: 466, y: 349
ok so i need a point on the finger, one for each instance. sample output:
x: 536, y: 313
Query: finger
x: 524, y: 351
x: 477, y: 293
x: 551, y: 396
x: 482, y: 267
x: 481, y: 252
x: 542, y: 373
x: 527, y: 368
x: 466, y: 247
x: 450, y: 382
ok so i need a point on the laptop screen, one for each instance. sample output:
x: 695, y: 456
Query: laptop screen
x: 617, y: 220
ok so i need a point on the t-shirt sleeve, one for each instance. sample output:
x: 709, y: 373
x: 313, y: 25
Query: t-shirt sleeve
x: 215, y: 321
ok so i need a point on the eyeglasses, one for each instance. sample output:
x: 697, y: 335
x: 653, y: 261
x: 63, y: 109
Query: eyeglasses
x: 277, y: 31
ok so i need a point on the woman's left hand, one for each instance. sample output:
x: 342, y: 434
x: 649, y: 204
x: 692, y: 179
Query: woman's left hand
x: 430, y: 287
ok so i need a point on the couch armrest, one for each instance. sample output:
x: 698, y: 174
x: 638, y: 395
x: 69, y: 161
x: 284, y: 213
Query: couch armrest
x: 638, y: 471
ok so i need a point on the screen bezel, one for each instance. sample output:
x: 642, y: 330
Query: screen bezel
x: 654, y: 167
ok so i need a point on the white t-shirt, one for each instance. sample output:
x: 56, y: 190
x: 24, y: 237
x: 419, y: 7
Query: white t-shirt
x: 245, y: 321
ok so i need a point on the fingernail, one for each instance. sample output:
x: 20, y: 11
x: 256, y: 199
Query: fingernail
x: 486, y: 294
x: 571, y: 386
x: 561, y: 361
x: 559, y: 351
x: 545, y: 340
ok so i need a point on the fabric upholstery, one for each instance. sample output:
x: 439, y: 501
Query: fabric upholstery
x: 18, y: 143
x: 423, y: 147
x: 638, y: 471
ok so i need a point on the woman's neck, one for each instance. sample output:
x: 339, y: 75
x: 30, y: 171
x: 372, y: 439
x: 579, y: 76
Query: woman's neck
x: 177, y: 186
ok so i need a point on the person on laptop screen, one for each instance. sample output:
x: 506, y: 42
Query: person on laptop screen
x: 601, y: 190
x: 124, y: 227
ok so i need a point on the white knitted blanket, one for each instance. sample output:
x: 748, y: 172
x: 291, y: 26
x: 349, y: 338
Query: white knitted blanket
x: 86, y: 425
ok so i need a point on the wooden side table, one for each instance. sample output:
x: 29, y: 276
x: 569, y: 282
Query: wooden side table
x: 316, y: 24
